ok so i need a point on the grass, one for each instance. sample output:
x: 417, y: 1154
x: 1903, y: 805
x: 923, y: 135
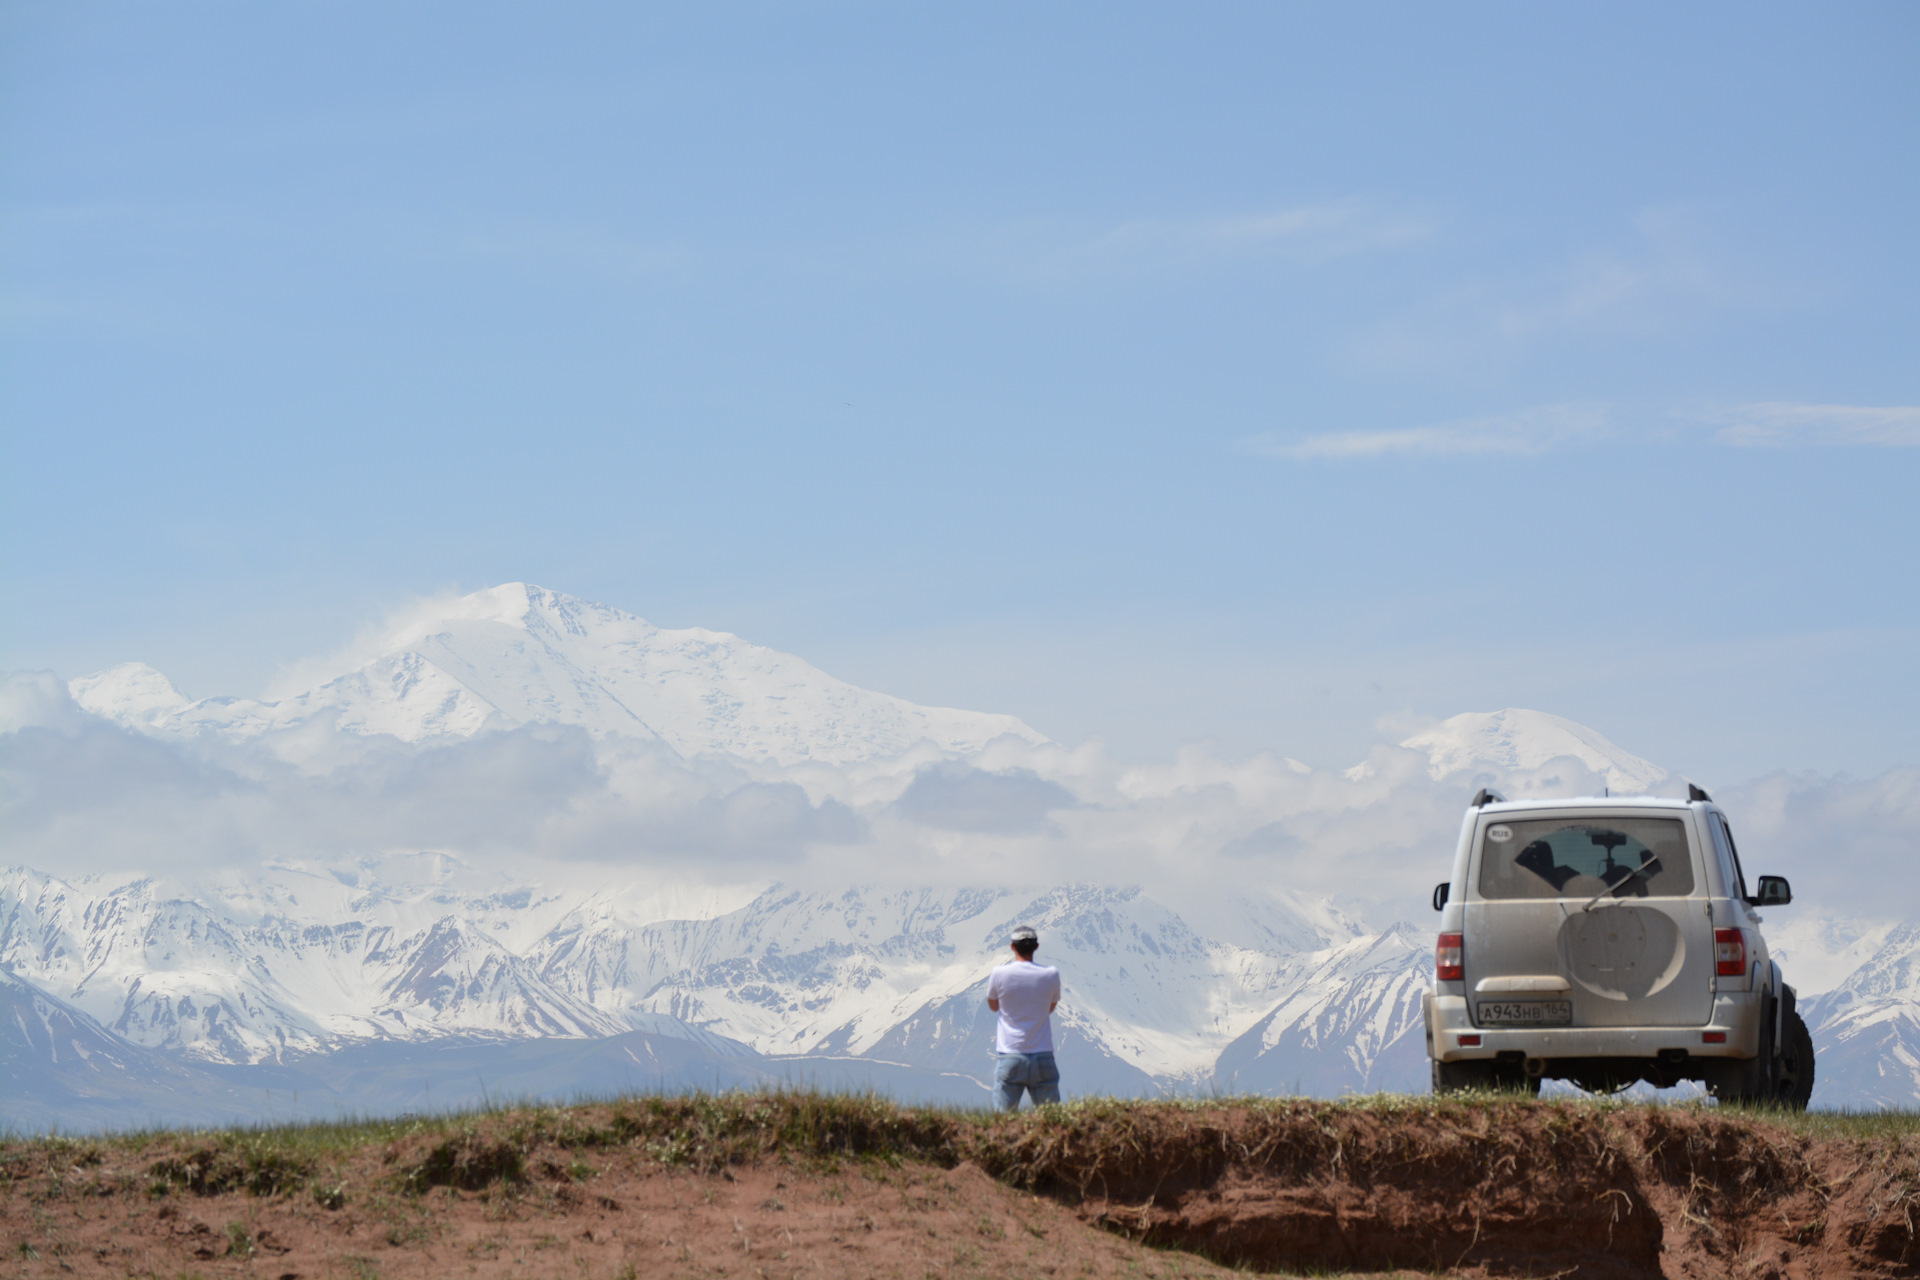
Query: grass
x: 487, y: 1147
x: 1843, y: 1122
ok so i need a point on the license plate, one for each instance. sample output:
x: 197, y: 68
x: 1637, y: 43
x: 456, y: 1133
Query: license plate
x: 1525, y: 1013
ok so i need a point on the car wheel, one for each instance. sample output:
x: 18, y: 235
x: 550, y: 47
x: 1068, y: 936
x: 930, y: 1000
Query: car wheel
x: 1795, y: 1086
x: 1459, y: 1077
x: 1511, y: 1077
x: 1748, y: 1080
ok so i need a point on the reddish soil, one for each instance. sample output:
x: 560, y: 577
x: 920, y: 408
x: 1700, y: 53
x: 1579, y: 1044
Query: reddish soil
x: 1127, y: 1190
x: 626, y: 1221
x: 1645, y: 1194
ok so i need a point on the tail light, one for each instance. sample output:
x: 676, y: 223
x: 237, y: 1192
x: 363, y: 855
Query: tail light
x: 1729, y: 953
x: 1448, y: 963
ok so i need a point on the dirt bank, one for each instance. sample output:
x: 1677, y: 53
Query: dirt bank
x: 778, y: 1186
x: 1500, y: 1189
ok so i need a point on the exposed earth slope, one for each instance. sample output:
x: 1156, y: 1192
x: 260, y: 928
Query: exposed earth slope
x: 808, y: 1184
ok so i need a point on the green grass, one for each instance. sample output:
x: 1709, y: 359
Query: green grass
x: 1841, y: 1122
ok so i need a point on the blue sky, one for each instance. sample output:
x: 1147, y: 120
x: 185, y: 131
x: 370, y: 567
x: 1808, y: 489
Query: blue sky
x: 1267, y: 375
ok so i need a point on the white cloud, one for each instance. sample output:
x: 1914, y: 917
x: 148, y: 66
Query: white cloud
x: 79, y: 793
x: 954, y: 796
x: 371, y: 641
x: 1543, y: 428
x: 38, y: 700
x: 1844, y: 841
x: 1776, y: 424
x: 1667, y: 272
x: 1527, y: 432
x: 84, y: 794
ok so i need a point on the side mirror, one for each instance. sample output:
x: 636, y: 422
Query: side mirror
x: 1440, y: 892
x: 1774, y: 892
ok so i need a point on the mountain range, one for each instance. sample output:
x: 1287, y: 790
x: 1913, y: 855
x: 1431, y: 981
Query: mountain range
x: 409, y: 978
x: 519, y: 654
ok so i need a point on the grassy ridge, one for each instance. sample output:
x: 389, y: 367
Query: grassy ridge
x: 1518, y: 1185
x: 1070, y: 1142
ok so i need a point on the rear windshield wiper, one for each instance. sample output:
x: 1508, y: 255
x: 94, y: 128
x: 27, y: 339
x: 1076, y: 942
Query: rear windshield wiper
x: 1653, y: 860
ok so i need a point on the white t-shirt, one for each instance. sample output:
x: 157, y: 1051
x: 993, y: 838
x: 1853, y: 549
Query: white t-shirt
x: 1027, y: 993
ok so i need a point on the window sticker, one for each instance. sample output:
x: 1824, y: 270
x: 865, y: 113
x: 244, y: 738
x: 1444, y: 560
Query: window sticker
x: 1500, y: 833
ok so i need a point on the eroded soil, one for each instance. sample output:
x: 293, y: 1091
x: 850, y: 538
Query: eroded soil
x: 1651, y: 1193
x: 745, y: 1188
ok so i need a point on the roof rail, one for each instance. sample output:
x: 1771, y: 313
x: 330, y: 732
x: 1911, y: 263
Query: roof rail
x: 1695, y: 793
x: 1484, y: 797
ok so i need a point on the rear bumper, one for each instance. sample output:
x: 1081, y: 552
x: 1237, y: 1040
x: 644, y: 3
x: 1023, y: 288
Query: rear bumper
x: 1736, y: 1014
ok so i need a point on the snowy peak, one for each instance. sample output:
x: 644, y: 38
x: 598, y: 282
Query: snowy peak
x: 132, y: 693
x: 454, y: 978
x: 520, y: 654
x: 298, y: 960
x: 1517, y: 740
x: 1352, y: 1020
x: 1867, y: 1030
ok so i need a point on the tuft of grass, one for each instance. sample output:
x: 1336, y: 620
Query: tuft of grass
x: 232, y: 1161
x: 470, y: 1160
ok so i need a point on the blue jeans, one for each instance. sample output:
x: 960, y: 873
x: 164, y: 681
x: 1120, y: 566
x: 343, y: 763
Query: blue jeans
x: 1029, y: 1072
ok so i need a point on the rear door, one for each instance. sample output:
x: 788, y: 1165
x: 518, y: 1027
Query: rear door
x: 1588, y: 919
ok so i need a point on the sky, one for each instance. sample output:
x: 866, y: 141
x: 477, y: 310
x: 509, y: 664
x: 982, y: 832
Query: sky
x: 1263, y: 376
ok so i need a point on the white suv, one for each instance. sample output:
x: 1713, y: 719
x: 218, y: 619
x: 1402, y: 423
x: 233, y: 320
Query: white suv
x: 1605, y: 941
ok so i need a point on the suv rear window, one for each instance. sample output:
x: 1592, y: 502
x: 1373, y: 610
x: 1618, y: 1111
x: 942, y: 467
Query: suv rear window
x: 1585, y: 857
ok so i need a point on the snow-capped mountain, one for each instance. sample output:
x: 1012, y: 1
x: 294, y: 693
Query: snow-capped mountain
x: 63, y: 1069
x: 1353, y: 1022
x: 1514, y: 741
x: 842, y: 972
x: 296, y: 961
x: 627, y: 891
x: 1867, y: 1030
x: 243, y: 969
x: 520, y: 654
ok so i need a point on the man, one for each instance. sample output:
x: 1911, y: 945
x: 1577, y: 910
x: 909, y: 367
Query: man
x: 1025, y: 995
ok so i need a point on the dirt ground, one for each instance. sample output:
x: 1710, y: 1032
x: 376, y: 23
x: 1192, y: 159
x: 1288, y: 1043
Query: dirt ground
x: 784, y: 1188
x: 623, y: 1222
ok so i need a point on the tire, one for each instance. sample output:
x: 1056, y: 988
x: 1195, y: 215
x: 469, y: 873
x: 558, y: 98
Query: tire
x: 1794, y: 1088
x: 1749, y: 1080
x: 1459, y: 1077
x: 1511, y: 1077
x: 1484, y: 1076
